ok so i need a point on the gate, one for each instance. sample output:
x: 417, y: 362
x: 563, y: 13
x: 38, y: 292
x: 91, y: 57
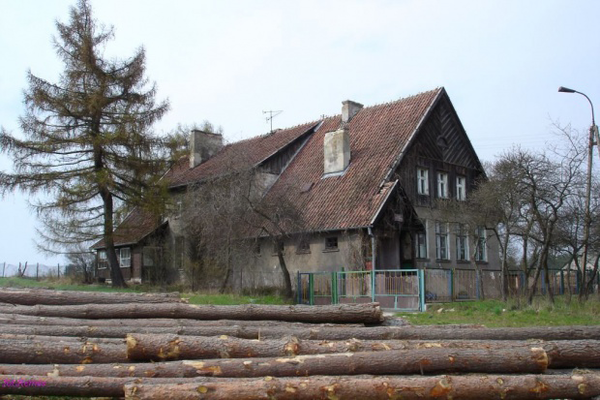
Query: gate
x: 401, y: 290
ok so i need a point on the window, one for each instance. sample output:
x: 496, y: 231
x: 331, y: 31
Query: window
x: 461, y: 193
x: 481, y: 249
x: 125, y: 257
x: 462, y: 243
x: 303, y: 247
x: 422, y: 181
x: 102, y: 259
x: 331, y: 243
x: 256, y: 248
x: 151, y: 256
x: 278, y: 247
x: 442, y: 185
x: 441, y: 241
x: 421, y: 245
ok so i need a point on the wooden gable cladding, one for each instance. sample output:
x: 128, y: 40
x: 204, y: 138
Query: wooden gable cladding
x: 440, y: 145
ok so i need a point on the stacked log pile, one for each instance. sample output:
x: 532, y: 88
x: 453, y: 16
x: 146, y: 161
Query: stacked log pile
x: 158, y: 347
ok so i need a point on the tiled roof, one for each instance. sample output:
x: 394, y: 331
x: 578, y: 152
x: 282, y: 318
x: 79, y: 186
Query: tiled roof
x: 378, y: 135
x: 136, y: 226
x: 247, y: 152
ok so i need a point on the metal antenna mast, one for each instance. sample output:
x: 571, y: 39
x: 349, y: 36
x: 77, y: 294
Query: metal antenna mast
x: 272, y: 114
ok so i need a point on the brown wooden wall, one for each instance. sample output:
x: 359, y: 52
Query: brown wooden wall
x: 441, y: 145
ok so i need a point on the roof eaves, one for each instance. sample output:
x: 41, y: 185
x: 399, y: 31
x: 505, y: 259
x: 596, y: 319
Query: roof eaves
x: 383, y: 203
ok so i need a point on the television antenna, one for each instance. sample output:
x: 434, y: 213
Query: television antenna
x: 272, y: 114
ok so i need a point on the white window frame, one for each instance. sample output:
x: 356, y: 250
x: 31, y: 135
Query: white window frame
x: 102, y: 259
x: 421, y: 245
x: 441, y: 241
x: 481, y: 245
x: 462, y: 242
x: 442, y: 181
x: 125, y: 257
x: 423, y: 181
x: 461, y: 188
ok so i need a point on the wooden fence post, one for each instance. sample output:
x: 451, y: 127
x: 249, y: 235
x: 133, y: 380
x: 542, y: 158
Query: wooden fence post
x: 37, y: 272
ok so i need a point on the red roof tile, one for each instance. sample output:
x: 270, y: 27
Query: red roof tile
x: 136, y: 226
x: 378, y: 135
x: 247, y: 152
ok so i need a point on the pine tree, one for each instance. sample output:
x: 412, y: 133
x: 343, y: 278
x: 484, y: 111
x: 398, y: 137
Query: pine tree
x: 87, y: 145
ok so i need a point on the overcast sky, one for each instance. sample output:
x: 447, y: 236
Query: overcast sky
x: 228, y: 61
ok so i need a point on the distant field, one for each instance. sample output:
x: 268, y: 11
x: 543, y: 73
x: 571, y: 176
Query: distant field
x: 494, y: 313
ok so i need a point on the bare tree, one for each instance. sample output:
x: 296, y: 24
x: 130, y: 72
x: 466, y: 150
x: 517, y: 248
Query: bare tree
x: 81, y: 264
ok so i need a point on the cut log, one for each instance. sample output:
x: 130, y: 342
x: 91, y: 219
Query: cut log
x: 399, y: 362
x: 320, y: 333
x: 144, y: 347
x: 340, y: 313
x: 50, y: 352
x: 10, y: 336
x: 165, y: 322
x: 87, y: 386
x: 472, y: 387
x: 32, y: 297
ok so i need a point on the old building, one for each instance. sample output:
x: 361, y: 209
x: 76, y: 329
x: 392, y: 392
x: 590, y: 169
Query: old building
x: 367, y: 183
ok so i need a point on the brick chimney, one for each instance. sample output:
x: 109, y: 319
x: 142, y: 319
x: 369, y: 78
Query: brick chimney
x: 203, y: 145
x: 336, y: 145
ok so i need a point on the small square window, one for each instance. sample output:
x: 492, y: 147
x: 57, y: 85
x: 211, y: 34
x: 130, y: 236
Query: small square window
x: 331, y: 243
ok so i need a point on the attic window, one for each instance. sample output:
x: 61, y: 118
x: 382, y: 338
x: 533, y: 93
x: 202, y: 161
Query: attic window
x: 442, y: 143
x: 303, y: 247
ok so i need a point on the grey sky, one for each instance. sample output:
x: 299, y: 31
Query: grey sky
x: 227, y: 61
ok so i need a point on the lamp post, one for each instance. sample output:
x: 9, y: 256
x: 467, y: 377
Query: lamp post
x: 587, y: 221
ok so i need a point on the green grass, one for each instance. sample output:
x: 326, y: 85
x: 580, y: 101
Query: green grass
x: 230, y: 299
x: 194, y: 298
x: 514, y: 313
x: 63, y: 284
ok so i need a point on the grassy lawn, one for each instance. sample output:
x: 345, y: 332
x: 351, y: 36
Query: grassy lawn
x: 194, y: 298
x: 514, y: 313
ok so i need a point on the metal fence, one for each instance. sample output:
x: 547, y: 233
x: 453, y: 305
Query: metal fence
x: 395, y: 289
x: 446, y: 285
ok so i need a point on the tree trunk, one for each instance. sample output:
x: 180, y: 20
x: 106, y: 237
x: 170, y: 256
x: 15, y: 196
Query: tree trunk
x: 50, y: 352
x: 140, y: 347
x: 591, y: 332
x: 19, y: 319
x: 340, y: 313
x: 394, y: 362
x: 504, y: 276
x: 64, y: 297
x: 116, y: 274
x: 88, y: 386
x: 286, y: 274
x: 471, y: 387
x: 70, y: 339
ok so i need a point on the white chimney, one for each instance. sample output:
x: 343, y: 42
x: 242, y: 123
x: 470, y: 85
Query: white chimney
x: 203, y: 145
x: 336, y: 145
x: 336, y: 151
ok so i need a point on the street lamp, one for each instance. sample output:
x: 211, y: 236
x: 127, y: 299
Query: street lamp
x: 588, y: 190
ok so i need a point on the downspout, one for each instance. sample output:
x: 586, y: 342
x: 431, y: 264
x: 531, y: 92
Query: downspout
x: 373, y: 247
